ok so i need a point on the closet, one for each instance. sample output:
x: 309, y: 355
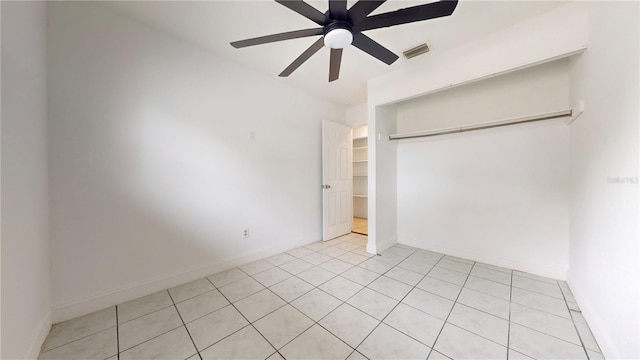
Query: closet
x: 496, y: 194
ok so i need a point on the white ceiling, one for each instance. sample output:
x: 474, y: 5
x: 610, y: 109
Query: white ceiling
x: 214, y: 24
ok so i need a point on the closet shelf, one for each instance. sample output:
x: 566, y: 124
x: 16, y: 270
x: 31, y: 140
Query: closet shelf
x: 359, y: 178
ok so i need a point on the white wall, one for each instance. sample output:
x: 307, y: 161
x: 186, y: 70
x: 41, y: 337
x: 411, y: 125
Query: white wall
x: 356, y: 115
x: 26, y: 309
x: 153, y: 172
x: 497, y: 195
x: 604, y: 255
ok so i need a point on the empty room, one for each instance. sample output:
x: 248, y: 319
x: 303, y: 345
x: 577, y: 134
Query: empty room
x: 320, y: 179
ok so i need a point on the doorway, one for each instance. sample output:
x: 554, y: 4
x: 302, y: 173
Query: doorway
x: 360, y: 180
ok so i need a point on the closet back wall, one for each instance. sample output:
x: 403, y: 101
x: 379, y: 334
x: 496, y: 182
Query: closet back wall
x: 497, y: 195
x: 153, y: 173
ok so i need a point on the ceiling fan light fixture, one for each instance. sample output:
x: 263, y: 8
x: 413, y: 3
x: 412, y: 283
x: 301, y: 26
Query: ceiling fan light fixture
x: 338, y: 35
x: 338, y: 38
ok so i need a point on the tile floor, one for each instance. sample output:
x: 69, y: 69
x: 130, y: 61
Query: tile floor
x: 332, y: 300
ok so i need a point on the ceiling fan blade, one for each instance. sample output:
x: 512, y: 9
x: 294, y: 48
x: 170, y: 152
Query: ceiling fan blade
x: 362, y: 9
x: 374, y: 49
x: 305, y: 10
x: 277, y: 37
x: 408, y: 15
x: 338, y: 9
x: 303, y: 57
x: 334, y: 64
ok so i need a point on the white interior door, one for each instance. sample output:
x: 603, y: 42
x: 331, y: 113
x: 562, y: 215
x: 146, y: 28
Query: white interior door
x: 337, y: 169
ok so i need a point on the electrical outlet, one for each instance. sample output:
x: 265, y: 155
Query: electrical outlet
x: 245, y: 233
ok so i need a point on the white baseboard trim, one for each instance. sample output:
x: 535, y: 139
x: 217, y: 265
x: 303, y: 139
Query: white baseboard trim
x: 553, y: 271
x: 40, y: 336
x: 384, y: 245
x: 371, y: 246
x: 113, y: 297
x: 597, y: 324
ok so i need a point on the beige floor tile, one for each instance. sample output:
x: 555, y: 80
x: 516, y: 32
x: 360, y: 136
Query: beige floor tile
x: 244, y: 344
x: 316, y: 343
x: 387, y: 343
x: 326, y: 299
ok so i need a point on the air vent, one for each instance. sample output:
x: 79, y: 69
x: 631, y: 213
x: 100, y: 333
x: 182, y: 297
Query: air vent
x: 413, y: 52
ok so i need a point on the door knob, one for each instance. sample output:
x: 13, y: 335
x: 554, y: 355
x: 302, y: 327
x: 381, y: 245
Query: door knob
x: 326, y: 186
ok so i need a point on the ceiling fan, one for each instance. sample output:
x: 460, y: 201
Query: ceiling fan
x: 340, y: 28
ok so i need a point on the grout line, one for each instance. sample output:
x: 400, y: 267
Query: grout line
x: 584, y: 348
x: 509, y: 324
x: 225, y: 337
x: 342, y: 303
x: 302, y: 332
x: 195, y: 296
x: 463, y: 304
x: 151, y: 338
x: 395, y: 265
x: 87, y: 335
x: 570, y: 318
x: 270, y: 312
x: 450, y: 311
x: 541, y: 281
x: 185, y: 324
x: 541, y: 332
x: 117, y: 334
x: 297, y: 297
x: 549, y: 335
x: 479, y: 277
x: 149, y: 313
x: 336, y: 336
x: 381, y: 321
x: 540, y: 293
x: 78, y: 339
x: 247, y: 320
x: 203, y: 315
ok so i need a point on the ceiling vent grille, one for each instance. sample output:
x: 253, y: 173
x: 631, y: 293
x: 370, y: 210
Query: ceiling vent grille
x: 418, y: 50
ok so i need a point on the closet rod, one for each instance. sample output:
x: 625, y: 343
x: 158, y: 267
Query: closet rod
x: 488, y: 125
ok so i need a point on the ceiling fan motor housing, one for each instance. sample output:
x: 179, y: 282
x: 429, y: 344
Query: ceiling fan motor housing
x: 338, y: 34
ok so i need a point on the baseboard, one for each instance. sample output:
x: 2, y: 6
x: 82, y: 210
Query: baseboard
x: 113, y: 297
x: 596, y: 324
x: 384, y: 245
x: 371, y: 246
x: 40, y: 336
x: 547, y: 270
